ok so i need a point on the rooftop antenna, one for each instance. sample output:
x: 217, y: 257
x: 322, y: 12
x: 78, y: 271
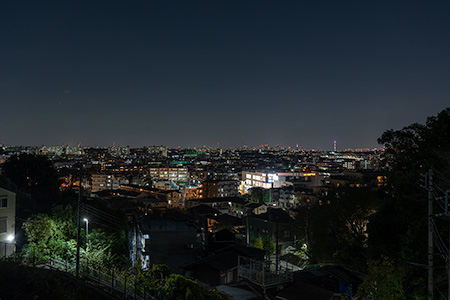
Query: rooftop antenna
x: 334, y: 146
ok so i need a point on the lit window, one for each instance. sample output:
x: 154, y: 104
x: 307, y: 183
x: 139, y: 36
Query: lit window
x: 3, y: 202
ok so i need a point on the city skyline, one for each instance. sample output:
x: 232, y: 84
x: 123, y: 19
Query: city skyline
x: 199, y: 73
x: 277, y: 147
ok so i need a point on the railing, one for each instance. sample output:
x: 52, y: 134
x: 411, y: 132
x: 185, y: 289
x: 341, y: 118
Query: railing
x: 264, y: 273
x: 113, y: 283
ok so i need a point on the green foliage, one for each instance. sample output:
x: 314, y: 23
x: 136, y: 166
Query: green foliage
x: 160, y: 279
x: 337, y: 227
x: 178, y: 287
x: 269, y: 246
x: 117, y: 231
x: 259, y: 195
x: 65, y: 216
x: 257, y: 243
x: 54, y: 236
x: 39, y: 228
x: 98, y: 252
x: 384, y: 282
x: 417, y: 147
x: 154, y: 277
x: 46, y: 239
x: 101, y: 250
x: 399, y: 229
x: 223, y: 225
x: 266, y: 245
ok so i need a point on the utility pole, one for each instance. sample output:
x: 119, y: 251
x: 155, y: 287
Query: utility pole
x: 276, y: 249
x: 447, y: 193
x: 430, y: 235
x: 77, y: 267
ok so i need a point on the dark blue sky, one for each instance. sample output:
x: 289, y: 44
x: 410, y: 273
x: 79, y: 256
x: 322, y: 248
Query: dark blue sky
x: 192, y: 73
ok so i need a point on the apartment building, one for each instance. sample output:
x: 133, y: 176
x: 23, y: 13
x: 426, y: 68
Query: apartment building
x: 179, y: 175
x: 102, y: 182
x: 219, y: 188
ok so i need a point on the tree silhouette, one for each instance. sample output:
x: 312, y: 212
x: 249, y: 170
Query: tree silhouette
x: 34, y: 175
x: 399, y: 229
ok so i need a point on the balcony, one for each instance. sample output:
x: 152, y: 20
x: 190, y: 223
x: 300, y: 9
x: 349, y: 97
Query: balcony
x: 264, y: 273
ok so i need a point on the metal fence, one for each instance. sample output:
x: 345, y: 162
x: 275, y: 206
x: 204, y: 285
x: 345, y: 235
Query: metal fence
x: 119, y: 284
x: 264, y: 273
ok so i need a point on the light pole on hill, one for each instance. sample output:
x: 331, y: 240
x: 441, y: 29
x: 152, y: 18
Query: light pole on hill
x: 87, y: 232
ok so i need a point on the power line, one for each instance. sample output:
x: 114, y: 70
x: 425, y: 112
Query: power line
x: 104, y: 218
x: 102, y: 212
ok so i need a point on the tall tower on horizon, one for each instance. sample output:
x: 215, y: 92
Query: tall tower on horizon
x: 334, y: 146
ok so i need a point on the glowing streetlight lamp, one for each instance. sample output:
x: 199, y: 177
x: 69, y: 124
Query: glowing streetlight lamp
x: 9, y: 239
x: 87, y: 231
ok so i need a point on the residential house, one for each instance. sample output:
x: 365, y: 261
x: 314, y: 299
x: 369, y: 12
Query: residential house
x: 7, y: 222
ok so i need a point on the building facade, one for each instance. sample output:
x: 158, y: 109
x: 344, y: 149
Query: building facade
x: 219, y: 188
x: 7, y: 222
x: 179, y: 175
x: 101, y: 182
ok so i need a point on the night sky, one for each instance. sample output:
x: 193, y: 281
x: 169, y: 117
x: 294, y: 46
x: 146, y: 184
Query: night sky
x: 193, y: 73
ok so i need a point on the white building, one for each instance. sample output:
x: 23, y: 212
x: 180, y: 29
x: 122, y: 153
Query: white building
x: 7, y: 222
x: 102, y: 182
x: 280, y: 179
x: 179, y: 175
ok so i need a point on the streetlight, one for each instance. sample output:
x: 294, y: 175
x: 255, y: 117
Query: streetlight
x: 87, y: 231
x: 9, y: 239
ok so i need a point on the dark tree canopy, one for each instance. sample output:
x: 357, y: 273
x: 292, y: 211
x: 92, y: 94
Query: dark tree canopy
x: 416, y: 148
x: 410, y: 153
x: 399, y: 229
x: 338, y: 226
x: 34, y: 175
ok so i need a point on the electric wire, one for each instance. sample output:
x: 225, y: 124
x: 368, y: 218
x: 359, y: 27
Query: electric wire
x: 439, y: 188
x: 103, y: 218
x: 439, y: 242
x: 102, y: 212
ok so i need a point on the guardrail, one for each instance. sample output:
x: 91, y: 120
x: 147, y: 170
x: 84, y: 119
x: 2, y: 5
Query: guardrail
x: 112, y: 283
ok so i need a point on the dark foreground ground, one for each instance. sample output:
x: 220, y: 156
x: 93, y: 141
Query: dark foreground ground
x: 23, y: 282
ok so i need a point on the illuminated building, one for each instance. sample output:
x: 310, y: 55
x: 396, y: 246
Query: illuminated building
x: 179, y: 175
x: 263, y: 180
x: 273, y: 180
x: 102, y: 182
x: 219, y: 188
x: 7, y: 222
x: 234, y: 206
